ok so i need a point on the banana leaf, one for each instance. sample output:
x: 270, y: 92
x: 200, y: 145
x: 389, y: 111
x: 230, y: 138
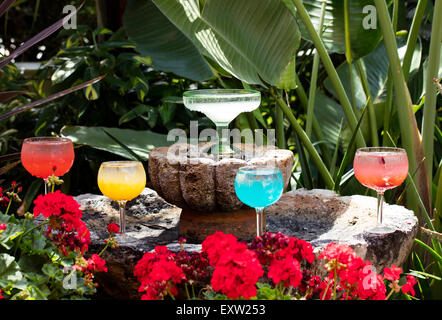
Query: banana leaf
x: 139, y: 142
x: 255, y: 41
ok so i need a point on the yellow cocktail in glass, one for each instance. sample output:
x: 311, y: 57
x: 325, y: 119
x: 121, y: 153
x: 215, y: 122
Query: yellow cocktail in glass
x: 122, y: 181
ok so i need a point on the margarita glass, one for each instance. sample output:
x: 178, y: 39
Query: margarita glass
x: 222, y: 106
x: 259, y: 187
x: 46, y: 156
x: 121, y: 181
x: 380, y: 169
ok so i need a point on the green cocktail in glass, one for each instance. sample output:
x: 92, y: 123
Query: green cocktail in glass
x: 222, y: 106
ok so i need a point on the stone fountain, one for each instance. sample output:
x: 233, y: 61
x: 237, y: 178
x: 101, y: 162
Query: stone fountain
x: 203, y: 185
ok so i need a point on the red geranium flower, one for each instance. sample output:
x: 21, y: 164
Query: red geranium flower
x: 279, y: 246
x: 237, y: 269
x: 217, y: 244
x: 288, y: 271
x: 237, y: 273
x: 408, y: 287
x: 113, y: 228
x: 96, y: 263
x: 163, y: 277
x: 342, y: 252
x: 393, y: 273
x: 2, y: 226
x: 56, y: 204
x: 370, y: 285
x: 66, y: 229
x: 144, y: 265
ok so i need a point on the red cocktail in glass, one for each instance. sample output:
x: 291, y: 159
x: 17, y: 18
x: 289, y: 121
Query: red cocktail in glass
x: 380, y: 169
x: 46, y: 156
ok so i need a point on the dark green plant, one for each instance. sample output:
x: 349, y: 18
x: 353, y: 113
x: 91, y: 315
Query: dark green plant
x: 32, y: 267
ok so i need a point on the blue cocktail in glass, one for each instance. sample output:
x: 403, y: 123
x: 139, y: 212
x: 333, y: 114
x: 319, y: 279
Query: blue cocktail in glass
x: 259, y: 187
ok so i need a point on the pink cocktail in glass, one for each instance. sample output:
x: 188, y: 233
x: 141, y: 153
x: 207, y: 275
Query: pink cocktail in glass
x: 380, y: 169
x: 46, y: 156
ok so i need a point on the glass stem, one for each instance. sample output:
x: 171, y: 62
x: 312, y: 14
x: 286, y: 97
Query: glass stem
x: 222, y: 140
x: 122, y: 209
x: 380, y: 207
x: 46, y: 186
x: 260, y: 228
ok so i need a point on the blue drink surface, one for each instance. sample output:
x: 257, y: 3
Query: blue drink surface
x: 259, y: 187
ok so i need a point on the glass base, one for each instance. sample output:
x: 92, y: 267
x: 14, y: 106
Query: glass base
x: 124, y: 238
x: 223, y: 150
x: 379, y: 229
x: 227, y: 150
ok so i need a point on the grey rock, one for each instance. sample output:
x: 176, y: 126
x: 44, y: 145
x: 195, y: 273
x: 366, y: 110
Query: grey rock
x: 317, y: 216
x: 322, y: 217
x: 151, y: 221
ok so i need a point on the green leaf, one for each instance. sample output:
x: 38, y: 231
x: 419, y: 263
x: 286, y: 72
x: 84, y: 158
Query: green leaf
x: 287, y: 80
x: 140, y: 142
x: 256, y: 48
x: 7, y: 236
x: 122, y: 145
x: 159, y: 39
x: 143, y: 111
x: 167, y: 111
x: 330, y: 116
x: 52, y: 271
x: 9, y: 270
x: 91, y: 92
x: 31, y: 265
x: 376, y: 67
x: 363, y: 38
x: 35, y: 293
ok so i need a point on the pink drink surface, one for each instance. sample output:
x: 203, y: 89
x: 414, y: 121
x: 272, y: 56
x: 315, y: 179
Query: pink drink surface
x: 44, y: 158
x: 381, y: 170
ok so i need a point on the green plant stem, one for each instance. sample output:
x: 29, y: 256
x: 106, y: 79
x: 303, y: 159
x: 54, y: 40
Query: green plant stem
x: 187, y: 291
x: 27, y: 232
x: 35, y: 16
x: 312, y: 95
x: 279, y: 125
x: 305, y: 140
x: 407, y: 121
x: 315, y: 124
x: 170, y: 294
x: 413, y: 36
x: 17, y: 244
x: 371, y: 110
x: 429, y: 117
x: 389, y: 294
x: 331, y: 71
x: 314, y: 78
x: 389, y: 100
x: 9, y: 206
x: 436, y: 245
x: 388, y: 109
x: 104, y: 249
x: 433, y: 252
x: 348, y: 54
x: 325, y: 291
